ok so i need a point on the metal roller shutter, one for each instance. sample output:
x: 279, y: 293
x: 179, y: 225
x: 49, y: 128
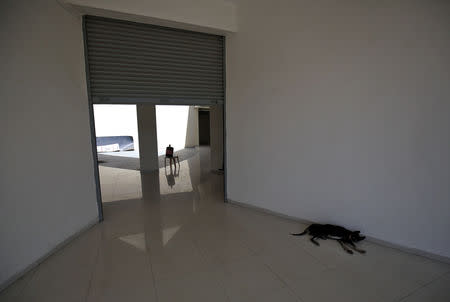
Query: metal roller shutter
x: 140, y: 63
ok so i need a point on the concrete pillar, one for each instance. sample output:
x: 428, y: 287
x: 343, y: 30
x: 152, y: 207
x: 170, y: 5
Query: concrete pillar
x: 216, y: 136
x: 192, y: 128
x: 148, y: 141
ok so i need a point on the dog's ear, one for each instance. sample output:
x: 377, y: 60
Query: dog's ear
x: 356, y: 232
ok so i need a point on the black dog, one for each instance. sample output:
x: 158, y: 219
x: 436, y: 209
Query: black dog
x: 334, y: 232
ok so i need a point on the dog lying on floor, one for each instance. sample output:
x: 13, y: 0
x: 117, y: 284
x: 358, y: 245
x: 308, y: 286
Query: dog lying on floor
x: 345, y: 237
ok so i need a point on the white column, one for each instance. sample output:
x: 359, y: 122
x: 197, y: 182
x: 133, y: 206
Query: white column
x: 148, y: 141
x: 192, y: 128
x: 216, y: 136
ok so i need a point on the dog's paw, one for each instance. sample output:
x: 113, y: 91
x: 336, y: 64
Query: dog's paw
x: 350, y: 252
x: 362, y: 251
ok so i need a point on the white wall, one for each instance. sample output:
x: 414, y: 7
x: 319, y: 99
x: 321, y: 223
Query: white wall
x: 47, y: 190
x: 171, y: 125
x: 116, y: 120
x: 213, y: 14
x: 338, y: 111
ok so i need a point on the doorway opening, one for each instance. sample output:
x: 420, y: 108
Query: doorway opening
x: 150, y: 65
x: 131, y: 142
x: 117, y: 140
x: 204, y: 127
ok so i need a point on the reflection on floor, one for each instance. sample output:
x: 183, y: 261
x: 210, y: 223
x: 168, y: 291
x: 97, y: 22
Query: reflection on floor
x: 176, y: 179
x: 182, y: 243
x: 120, y: 183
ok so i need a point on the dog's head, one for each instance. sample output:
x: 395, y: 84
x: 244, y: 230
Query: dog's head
x: 356, y: 236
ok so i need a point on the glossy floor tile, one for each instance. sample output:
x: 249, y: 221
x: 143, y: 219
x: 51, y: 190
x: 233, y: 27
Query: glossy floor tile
x: 119, y: 184
x: 168, y: 236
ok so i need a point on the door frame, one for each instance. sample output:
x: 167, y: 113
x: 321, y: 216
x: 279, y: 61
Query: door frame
x: 134, y: 102
x: 92, y: 126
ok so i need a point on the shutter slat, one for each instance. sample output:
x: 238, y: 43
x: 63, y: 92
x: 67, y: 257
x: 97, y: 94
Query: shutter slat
x: 130, y: 60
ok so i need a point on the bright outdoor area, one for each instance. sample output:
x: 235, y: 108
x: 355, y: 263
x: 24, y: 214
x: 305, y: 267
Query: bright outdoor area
x: 185, y: 128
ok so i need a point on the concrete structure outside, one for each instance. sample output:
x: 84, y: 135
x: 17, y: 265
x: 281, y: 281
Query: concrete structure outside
x: 148, y: 147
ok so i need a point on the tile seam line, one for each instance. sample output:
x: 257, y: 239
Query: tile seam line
x: 153, y: 274
x: 204, y: 258
x: 88, y: 290
x: 298, y: 298
x: 421, y: 287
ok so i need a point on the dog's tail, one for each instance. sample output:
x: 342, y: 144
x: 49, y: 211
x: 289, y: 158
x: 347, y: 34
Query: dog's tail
x: 302, y: 233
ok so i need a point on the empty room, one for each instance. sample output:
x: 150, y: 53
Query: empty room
x: 225, y: 150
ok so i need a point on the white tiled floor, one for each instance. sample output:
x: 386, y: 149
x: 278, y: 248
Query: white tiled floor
x: 173, y: 239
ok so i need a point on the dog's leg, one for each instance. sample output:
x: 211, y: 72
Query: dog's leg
x: 344, y: 247
x: 313, y: 241
x: 353, y: 246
